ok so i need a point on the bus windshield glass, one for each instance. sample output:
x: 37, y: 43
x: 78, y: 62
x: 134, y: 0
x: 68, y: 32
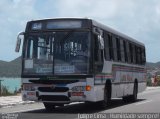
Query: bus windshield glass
x: 58, y: 53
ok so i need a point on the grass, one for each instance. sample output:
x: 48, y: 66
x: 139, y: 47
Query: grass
x: 5, y: 92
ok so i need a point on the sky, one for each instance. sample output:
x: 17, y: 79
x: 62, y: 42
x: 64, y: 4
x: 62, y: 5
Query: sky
x: 139, y: 19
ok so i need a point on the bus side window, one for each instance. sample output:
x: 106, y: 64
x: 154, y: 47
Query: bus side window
x: 122, y: 50
x: 143, y: 56
x: 125, y: 51
x: 131, y: 52
x: 138, y: 55
x: 98, y: 56
x: 111, y: 51
x: 106, y: 47
x: 96, y: 48
x: 128, y: 52
x: 134, y: 53
x: 118, y: 49
x: 98, y: 52
x: 115, y: 48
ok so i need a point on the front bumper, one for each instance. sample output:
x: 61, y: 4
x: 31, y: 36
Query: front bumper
x: 61, y: 93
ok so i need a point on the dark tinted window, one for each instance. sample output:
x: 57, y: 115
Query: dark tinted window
x: 125, y: 51
x: 115, y: 48
x: 118, y: 49
x: 106, y: 48
x: 111, y: 52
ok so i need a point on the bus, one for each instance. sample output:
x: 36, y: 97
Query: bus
x: 67, y: 60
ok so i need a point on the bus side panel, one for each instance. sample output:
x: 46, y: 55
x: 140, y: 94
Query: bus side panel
x: 96, y: 93
x: 99, y: 92
x: 124, y: 77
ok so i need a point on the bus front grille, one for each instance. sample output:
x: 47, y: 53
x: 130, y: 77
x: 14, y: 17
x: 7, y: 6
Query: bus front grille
x: 50, y: 89
x: 54, y: 98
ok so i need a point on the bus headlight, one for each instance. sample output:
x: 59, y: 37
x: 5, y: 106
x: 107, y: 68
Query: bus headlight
x: 78, y: 88
x: 28, y: 87
x: 81, y: 88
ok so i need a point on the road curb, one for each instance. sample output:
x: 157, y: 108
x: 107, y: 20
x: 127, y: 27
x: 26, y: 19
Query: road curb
x: 14, y: 104
x: 153, y: 88
x: 9, y: 101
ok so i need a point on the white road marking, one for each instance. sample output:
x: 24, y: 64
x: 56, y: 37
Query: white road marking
x: 140, y: 103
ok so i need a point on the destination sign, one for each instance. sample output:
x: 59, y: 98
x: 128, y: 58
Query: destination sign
x: 64, y: 24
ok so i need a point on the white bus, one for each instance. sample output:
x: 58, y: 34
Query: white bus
x: 79, y: 60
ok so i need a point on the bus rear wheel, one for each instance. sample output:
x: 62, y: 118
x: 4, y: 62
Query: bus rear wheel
x: 135, y: 92
x: 49, y: 106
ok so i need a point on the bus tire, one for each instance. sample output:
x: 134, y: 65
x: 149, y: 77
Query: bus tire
x: 49, y: 106
x: 135, y: 92
x: 126, y: 98
x: 107, y: 96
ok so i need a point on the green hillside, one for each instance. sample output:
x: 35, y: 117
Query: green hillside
x: 10, y: 69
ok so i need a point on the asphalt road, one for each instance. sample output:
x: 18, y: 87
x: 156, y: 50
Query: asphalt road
x: 148, y: 102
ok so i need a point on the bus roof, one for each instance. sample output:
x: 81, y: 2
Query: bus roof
x: 110, y: 30
x: 102, y: 26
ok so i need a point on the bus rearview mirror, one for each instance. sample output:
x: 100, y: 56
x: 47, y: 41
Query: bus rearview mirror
x: 101, y: 42
x: 18, y: 43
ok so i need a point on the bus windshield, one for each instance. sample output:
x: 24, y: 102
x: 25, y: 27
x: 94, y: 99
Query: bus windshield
x: 58, y: 53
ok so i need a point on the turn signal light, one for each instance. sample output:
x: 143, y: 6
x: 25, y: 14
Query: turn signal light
x: 88, y: 88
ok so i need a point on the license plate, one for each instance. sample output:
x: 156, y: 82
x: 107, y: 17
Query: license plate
x: 77, y: 93
x: 31, y: 93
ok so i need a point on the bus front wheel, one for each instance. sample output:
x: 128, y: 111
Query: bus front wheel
x: 105, y: 102
x: 49, y: 106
